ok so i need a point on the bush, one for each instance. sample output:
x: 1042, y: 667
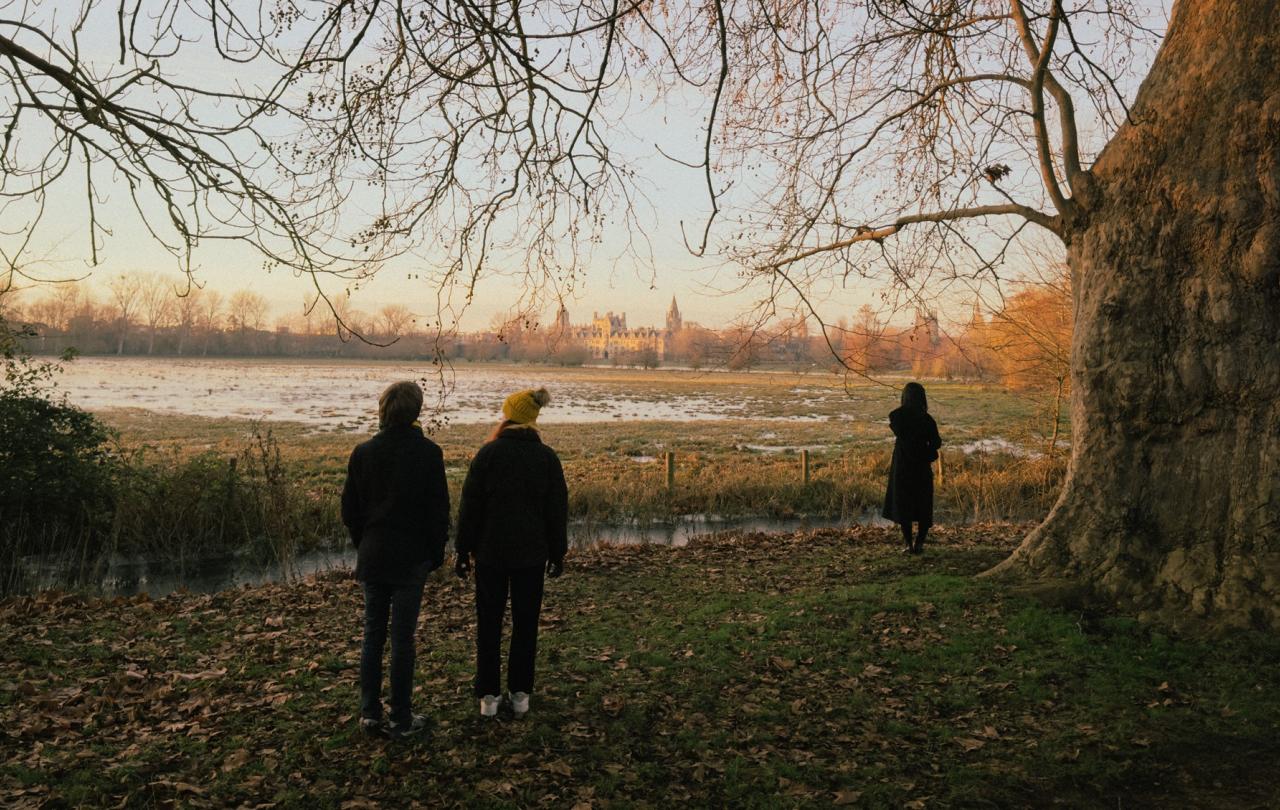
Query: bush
x: 69, y: 497
x: 208, y: 505
x: 57, y: 470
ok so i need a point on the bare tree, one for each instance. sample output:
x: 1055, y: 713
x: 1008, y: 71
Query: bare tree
x: 10, y: 295
x: 309, y: 314
x: 246, y: 310
x: 125, y: 298
x: 246, y: 315
x: 209, y: 317
x: 58, y: 305
x: 911, y: 140
x: 157, y: 306
x: 187, y: 313
x: 461, y: 130
x: 393, y: 321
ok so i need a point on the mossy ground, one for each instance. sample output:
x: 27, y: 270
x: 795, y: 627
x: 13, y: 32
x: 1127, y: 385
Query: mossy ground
x: 816, y: 668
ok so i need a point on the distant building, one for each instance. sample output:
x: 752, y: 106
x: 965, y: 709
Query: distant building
x: 674, y: 321
x: 608, y: 336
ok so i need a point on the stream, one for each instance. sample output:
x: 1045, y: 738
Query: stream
x: 125, y: 575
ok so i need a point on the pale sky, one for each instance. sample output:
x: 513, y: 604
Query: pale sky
x: 614, y: 281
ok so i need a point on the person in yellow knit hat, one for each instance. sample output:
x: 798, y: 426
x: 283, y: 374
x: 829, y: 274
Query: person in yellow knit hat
x: 522, y: 407
x: 514, y: 521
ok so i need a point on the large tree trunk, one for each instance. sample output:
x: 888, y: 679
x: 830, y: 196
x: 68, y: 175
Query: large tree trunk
x: 1171, y: 507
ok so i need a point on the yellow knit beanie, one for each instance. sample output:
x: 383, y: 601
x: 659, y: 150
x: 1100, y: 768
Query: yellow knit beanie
x: 523, y: 406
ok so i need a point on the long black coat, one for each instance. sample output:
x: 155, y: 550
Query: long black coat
x: 515, y: 504
x: 395, y: 503
x: 909, y: 496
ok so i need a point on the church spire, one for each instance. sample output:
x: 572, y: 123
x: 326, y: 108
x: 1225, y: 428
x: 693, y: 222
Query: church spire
x: 674, y: 322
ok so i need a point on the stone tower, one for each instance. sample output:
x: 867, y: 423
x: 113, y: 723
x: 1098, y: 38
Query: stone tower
x: 674, y: 322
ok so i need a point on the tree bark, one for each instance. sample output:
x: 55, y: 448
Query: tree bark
x: 1171, y: 507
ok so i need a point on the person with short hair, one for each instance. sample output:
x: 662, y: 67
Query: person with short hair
x: 909, y: 496
x: 395, y: 503
x: 513, y: 520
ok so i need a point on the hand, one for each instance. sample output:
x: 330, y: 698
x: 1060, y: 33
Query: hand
x: 555, y: 568
x: 462, y: 567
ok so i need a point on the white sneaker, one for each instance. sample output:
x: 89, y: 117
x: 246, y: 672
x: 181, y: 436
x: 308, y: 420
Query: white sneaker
x: 519, y: 704
x: 489, y: 706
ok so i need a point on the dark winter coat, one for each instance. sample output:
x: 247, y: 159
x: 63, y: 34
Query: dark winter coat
x: 396, y: 505
x: 909, y: 496
x: 515, y: 504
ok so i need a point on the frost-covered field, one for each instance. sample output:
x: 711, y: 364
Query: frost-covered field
x: 336, y: 394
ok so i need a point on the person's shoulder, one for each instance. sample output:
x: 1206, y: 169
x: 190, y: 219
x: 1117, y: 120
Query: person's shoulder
x: 428, y: 444
x: 486, y: 450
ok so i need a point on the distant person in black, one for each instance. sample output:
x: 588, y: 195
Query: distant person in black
x: 396, y: 505
x: 909, y: 497
x: 514, y: 521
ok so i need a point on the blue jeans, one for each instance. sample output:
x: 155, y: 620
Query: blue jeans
x: 402, y: 602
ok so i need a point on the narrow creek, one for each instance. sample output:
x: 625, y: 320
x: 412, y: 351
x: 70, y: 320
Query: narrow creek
x: 125, y: 576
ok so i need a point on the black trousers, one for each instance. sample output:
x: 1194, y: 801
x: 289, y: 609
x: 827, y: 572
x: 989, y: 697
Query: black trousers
x: 402, y: 602
x: 494, y: 584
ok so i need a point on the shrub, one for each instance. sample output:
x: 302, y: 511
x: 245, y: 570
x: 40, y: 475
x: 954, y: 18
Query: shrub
x: 57, y: 470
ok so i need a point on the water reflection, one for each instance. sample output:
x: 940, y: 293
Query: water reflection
x: 124, y: 576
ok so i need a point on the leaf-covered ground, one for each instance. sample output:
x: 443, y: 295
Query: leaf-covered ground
x: 818, y: 668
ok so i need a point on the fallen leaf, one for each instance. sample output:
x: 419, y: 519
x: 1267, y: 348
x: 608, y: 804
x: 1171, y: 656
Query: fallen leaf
x: 206, y: 675
x: 179, y: 787
x: 970, y: 743
x: 234, y: 760
x: 558, y: 766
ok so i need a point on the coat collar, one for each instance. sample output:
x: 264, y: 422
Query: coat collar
x: 524, y: 434
x: 401, y: 430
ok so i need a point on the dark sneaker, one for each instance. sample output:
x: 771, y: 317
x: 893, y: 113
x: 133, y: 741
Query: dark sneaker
x: 372, y: 727
x: 414, y: 728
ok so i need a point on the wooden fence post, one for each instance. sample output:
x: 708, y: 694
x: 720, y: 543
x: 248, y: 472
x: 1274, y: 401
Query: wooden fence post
x: 671, y: 470
x: 804, y: 467
x: 941, y: 478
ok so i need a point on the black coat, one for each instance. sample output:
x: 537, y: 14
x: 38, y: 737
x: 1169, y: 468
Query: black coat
x: 909, y: 496
x: 396, y: 505
x: 515, y: 504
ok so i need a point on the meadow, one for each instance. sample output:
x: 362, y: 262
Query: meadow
x: 745, y: 463
x: 188, y: 490
x: 816, y: 669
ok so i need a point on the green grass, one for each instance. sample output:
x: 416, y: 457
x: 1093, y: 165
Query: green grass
x: 748, y: 670
x: 738, y: 467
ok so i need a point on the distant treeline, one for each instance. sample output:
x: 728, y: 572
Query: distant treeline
x: 1023, y: 344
